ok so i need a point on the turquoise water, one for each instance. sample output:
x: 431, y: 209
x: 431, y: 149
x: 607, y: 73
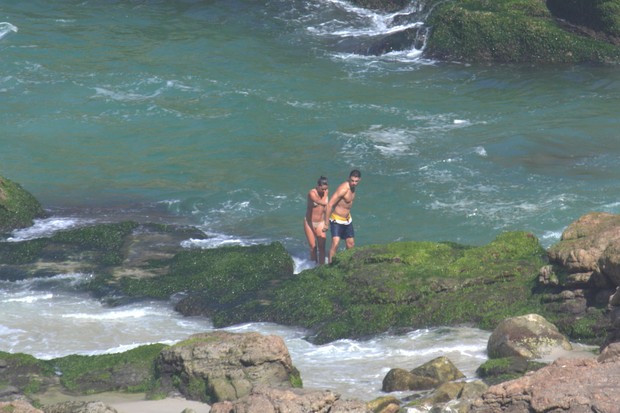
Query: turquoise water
x: 223, y: 114
x: 226, y: 113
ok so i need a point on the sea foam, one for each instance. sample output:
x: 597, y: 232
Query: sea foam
x: 6, y: 28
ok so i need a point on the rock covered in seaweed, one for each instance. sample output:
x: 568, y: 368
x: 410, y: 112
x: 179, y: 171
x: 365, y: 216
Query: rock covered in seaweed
x: 18, y: 207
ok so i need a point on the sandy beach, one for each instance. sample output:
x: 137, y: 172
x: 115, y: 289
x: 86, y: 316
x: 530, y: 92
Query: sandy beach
x: 167, y: 405
x: 130, y: 402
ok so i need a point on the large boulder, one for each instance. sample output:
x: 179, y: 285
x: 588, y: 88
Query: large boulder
x: 277, y: 400
x: 567, y: 385
x: 218, y: 366
x: 590, y: 244
x: 582, y: 278
x: 518, y: 31
x: 18, y: 207
x: 529, y: 336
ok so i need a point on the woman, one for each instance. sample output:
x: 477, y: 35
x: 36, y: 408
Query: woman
x: 315, y: 220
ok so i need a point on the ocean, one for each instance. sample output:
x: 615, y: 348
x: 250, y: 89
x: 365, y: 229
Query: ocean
x: 223, y: 114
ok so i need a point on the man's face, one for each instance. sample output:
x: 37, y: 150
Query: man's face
x: 353, y: 181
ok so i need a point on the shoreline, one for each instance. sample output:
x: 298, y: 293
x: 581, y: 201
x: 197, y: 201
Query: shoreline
x: 128, y: 402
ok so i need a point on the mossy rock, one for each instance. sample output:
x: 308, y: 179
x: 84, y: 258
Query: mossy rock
x: 228, y: 284
x: 513, y: 31
x: 18, y: 207
x: 25, y: 372
x: 409, y: 285
x: 83, y: 249
x: 495, y: 371
x: 131, y: 371
x: 599, y: 15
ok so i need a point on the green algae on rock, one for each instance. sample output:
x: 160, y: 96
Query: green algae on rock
x: 514, y: 31
x: 408, y: 285
x: 228, y: 284
x: 18, y: 207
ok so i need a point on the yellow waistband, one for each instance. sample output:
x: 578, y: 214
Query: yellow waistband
x: 336, y: 217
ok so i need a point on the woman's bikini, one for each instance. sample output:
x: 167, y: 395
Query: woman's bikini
x: 315, y: 224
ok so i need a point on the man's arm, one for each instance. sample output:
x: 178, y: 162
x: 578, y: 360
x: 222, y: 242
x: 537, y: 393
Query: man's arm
x: 332, y: 203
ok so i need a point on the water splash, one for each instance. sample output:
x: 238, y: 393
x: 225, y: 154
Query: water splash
x: 6, y: 28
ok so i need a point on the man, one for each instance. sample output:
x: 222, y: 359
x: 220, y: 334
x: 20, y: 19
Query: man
x: 339, y: 213
x: 315, y: 220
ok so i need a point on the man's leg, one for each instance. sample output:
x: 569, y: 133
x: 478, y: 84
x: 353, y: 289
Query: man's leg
x: 333, y: 248
x: 349, y: 239
x: 321, y: 241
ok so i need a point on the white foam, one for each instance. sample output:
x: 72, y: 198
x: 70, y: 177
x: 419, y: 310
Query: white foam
x: 113, y: 315
x: 46, y: 227
x: 479, y: 150
x: 6, y: 28
x: 220, y: 240
x: 8, y: 331
x: 388, y: 142
x: 30, y: 298
x: 124, y: 96
x: 302, y: 264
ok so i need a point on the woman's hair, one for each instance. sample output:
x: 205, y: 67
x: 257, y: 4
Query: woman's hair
x: 322, y: 181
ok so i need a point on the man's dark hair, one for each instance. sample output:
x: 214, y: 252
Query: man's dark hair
x: 355, y: 173
x: 322, y: 181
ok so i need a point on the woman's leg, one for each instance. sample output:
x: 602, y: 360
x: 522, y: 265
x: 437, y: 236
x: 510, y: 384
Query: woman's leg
x: 311, y: 240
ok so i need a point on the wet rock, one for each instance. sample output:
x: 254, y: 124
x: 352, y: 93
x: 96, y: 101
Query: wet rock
x: 401, y: 379
x: 427, y: 376
x: 450, y: 397
x: 386, y: 404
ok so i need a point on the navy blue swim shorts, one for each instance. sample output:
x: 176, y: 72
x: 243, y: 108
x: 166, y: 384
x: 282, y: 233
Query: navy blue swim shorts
x: 341, y: 231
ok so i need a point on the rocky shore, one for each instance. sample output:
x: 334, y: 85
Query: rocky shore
x: 506, y: 31
x: 534, y: 300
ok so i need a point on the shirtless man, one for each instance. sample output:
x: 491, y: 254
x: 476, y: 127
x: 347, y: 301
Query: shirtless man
x: 315, y: 220
x: 339, y: 213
